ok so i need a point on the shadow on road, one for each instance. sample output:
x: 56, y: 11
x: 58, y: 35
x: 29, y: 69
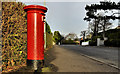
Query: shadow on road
x: 49, y: 57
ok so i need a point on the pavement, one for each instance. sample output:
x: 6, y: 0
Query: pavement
x: 70, y: 58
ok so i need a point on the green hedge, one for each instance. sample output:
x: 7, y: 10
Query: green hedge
x: 49, y: 41
x: 93, y: 42
x: 113, y: 39
x: 14, y: 35
x: 68, y: 42
x: 113, y: 42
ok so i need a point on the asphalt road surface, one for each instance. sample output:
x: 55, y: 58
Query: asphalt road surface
x: 69, y: 58
x: 106, y: 54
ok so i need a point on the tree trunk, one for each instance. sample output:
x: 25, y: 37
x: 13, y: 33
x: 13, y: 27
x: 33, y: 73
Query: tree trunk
x: 95, y: 34
x: 104, y: 27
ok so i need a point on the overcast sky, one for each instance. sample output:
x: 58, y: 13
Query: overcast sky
x: 66, y: 16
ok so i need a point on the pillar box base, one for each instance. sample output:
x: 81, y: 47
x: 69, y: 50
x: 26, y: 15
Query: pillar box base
x: 35, y: 64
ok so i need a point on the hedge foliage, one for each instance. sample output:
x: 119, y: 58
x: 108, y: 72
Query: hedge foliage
x: 57, y: 37
x: 49, y: 36
x: 49, y: 41
x: 14, y: 35
x: 69, y: 41
x: 113, y: 38
x: 93, y: 42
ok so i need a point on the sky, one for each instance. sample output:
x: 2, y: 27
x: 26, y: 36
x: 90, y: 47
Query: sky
x: 66, y: 16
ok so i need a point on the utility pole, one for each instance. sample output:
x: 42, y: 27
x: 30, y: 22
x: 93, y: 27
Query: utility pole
x: 104, y: 27
x: 44, y: 29
x: 118, y: 19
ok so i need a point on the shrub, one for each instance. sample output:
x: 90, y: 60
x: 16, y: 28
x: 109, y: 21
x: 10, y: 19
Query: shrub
x: 93, y: 43
x: 14, y: 35
x: 68, y: 42
x: 113, y: 38
x: 49, y: 41
x: 113, y: 42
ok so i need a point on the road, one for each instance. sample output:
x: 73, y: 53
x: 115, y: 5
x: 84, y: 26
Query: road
x: 108, y: 55
x: 69, y: 58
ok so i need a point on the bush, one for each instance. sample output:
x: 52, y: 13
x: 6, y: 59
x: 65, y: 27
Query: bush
x: 49, y: 41
x: 93, y: 43
x: 113, y: 38
x: 113, y: 42
x: 14, y: 35
x: 49, y: 36
x: 68, y: 42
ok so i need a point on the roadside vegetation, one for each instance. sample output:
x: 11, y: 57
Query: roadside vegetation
x: 49, y: 37
x: 99, y: 23
x: 68, y: 39
x: 14, y: 36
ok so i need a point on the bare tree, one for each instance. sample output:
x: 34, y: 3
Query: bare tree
x: 71, y: 36
x: 83, y: 33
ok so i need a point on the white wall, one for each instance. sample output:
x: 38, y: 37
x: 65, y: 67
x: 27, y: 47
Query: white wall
x: 85, y: 43
x: 100, y: 42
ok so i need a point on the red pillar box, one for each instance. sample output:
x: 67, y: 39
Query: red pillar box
x: 35, y: 34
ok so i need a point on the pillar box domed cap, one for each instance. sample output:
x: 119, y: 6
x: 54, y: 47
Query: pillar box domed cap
x: 35, y: 7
